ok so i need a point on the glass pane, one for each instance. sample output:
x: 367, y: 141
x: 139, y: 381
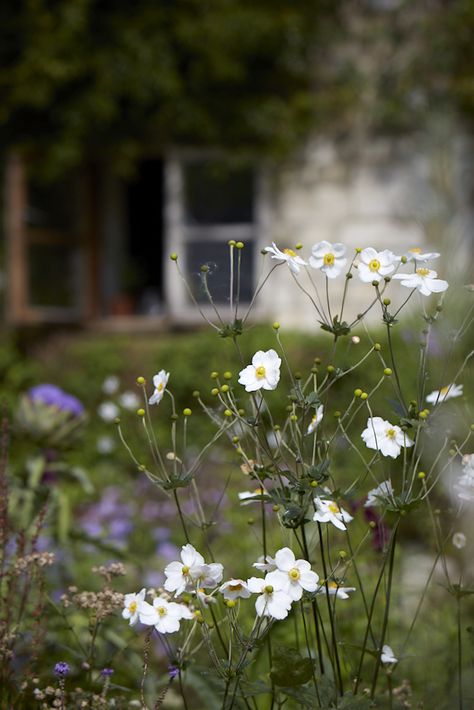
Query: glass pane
x: 218, y: 194
x: 53, y: 206
x: 53, y: 275
x: 216, y: 256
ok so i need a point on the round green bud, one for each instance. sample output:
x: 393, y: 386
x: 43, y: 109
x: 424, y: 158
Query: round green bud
x: 174, y: 256
x: 337, y: 414
x: 375, y: 283
x: 387, y: 279
x: 452, y: 452
x: 275, y: 508
x: 214, y: 375
x: 377, y: 346
x: 314, y: 484
x: 276, y: 325
x: 187, y: 412
x: 240, y: 245
x: 141, y: 380
x: 358, y: 250
x: 349, y: 275
x: 404, y: 259
x: 196, y: 394
x: 277, y: 427
x: 294, y: 418
x: 342, y: 554
x: 298, y: 245
x: 297, y: 375
x: 421, y: 475
x: 227, y: 375
x: 241, y: 412
x: 215, y: 391
x: 372, y: 524
x: 387, y: 372
x: 330, y: 368
x: 117, y: 420
x: 240, y: 451
x: 225, y: 388
x: 140, y: 412
x: 235, y: 439
x: 227, y: 413
x: 423, y: 415
x: 231, y: 242
x: 317, y: 360
x: 250, y: 521
x: 289, y: 408
x: 472, y: 427
x: 364, y: 395
x: 230, y: 603
x: 314, y: 370
x: 386, y: 301
x: 204, y: 269
x: 357, y: 392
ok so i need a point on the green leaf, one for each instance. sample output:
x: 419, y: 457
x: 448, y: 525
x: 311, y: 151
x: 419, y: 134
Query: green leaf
x: 289, y: 668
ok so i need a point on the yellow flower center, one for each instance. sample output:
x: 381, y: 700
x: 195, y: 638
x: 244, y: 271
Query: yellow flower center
x: 444, y: 390
x: 391, y: 433
x: 334, y: 508
x: 132, y: 607
x: 374, y: 265
x: 184, y: 570
x: 160, y: 387
x: 161, y: 610
x: 294, y: 573
x: 268, y: 589
x: 329, y: 259
x: 289, y: 252
x: 235, y: 587
x: 332, y: 585
x: 260, y: 372
x: 415, y: 250
x: 423, y: 272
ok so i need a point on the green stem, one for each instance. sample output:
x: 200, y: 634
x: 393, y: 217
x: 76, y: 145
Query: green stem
x: 331, y: 615
x: 459, y: 654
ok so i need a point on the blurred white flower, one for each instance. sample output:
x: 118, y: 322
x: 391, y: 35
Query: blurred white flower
x: 235, y: 589
x: 447, y: 392
x: 263, y: 373
x: 424, y: 280
x: 387, y: 655
x: 355, y: 339
x: 385, y: 437
x: 265, y: 564
x: 105, y: 445
x: 327, y: 511
x: 459, y: 540
x: 108, y: 411
x: 379, y: 495
x: 133, y: 604
x: 294, y: 261
x: 335, y: 590
x: 111, y: 384
x: 165, y: 616
x: 159, y: 381
x: 191, y: 572
x: 329, y: 258
x: 272, y: 601
x: 292, y: 576
x: 465, y: 483
x: 254, y: 496
x: 415, y: 254
x: 316, y: 419
x: 374, y: 265
x: 129, y: 400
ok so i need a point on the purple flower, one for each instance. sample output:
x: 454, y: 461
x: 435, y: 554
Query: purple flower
x: 54, y: 396
x: 61, y: 669
x: 107, y: 672
x: 173, y: 671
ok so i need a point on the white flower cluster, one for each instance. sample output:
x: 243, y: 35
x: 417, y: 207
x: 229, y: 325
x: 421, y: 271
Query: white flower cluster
x: 465, y: 485
x: 372, y: 265
x: 285, y: 581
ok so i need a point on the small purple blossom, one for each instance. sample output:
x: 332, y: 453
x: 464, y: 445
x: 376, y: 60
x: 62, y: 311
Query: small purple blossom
x: 61, y: 669
x: 54, y: 396
x: 107, y: 672
x: 173, y: 671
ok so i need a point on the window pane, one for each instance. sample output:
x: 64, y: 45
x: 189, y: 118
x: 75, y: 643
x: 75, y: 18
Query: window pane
x: 216, y: 256
x: 53, y: 206
x: 218, y: 194
x: 53, y: 275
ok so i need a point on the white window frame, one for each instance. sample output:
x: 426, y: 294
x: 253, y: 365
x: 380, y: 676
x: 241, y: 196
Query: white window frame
x: 180, y: 308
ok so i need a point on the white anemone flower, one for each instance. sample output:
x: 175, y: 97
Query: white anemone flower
x: 335, y: 590
x: 132, y: 606
x: 465, y: 485
x: 263, y: 373
x: 374, y: 265
x: 327, y: 511
x: 184, y: 575
x: 111, y: 384
x: 235, y: 589
x: 387, y: 656
x: 379, y: 495
x: 294, y: 261
x: 424, y: 280
x: 272, y: 601
x: 265, y: 564
x: 292, y: 576
x: 159, y: 381
x: 254, y: 496
x: 129, y: 400
x: 459, y: 540
x: 316, y: 419
x: 446, y: 392
x: 415, y: 254
x: 385, y: 437
x: 108, y: 411
x: 330, y: 258
x: 165, y: 616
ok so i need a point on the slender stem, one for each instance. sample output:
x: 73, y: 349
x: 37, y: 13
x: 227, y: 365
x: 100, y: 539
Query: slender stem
x: 314, y: 608
x: 459, y: 653
x: 330, y: 611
